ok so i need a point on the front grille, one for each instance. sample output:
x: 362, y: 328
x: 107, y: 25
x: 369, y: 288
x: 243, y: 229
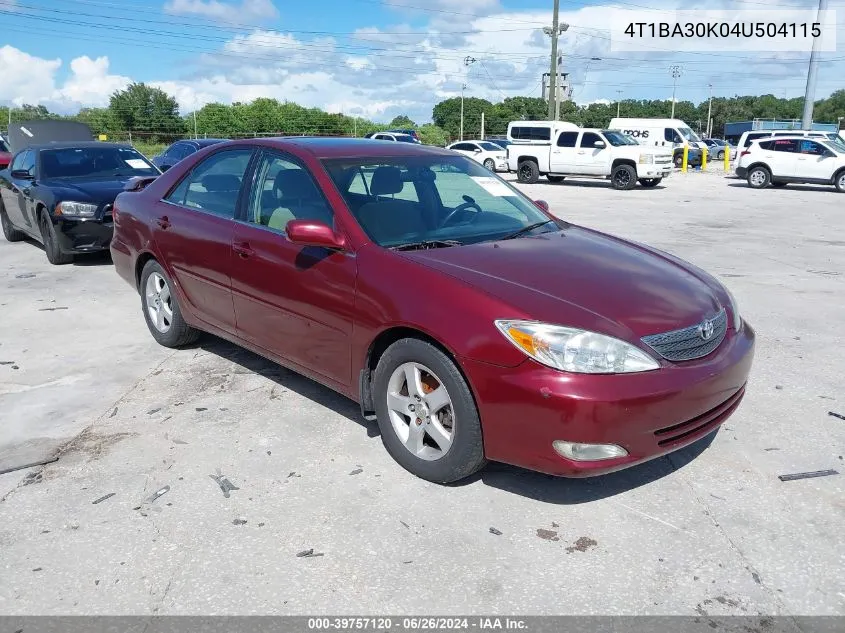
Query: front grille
x: 699, y: 424
x: 687, y: 343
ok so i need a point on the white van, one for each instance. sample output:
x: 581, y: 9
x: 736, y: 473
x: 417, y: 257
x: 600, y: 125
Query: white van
x: 537, y: 132
x: 667, y: 132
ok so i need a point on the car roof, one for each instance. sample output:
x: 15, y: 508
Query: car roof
x: 344, y: 147
x: 202, y: 142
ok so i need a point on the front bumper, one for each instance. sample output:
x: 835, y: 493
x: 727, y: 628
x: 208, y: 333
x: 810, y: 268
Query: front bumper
x: 83, y: 236
x: 525, y: 409
x: 501, y: 164
x: 654, y: 171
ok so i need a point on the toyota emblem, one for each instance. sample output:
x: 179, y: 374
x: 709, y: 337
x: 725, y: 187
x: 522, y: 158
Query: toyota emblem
x: 705, y: 330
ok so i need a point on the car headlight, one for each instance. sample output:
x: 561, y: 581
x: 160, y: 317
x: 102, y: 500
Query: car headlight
x: 737, y: 320
x: 646, y: 159
x: 70, y: 209
x: 575, y: 350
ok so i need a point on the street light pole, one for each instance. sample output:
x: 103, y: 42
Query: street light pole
x: 812, y: 73
x: 709, y: 110
x: 618, y: 102
x: 467, y: 61
x: 676, y: 72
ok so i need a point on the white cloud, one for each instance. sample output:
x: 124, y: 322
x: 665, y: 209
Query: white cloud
x: 237, y: 12
x: 26, y: 79
x: 90, y: 82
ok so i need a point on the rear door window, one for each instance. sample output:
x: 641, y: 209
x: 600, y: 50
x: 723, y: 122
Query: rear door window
x: 567, y: 139
x: 782, y: 145
x: 215, y: 184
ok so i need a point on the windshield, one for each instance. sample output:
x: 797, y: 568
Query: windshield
x: 92, y: 162
x: 837, y: 142
x: 689, y: 135
x: 618, y: 139
x: 411, y: 199
x: 491, y: 147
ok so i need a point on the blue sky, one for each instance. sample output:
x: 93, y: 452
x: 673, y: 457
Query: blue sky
x: 374, y: 58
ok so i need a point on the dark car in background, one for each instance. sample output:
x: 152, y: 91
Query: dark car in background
x: 400, y: 137
x: 467, y: 319
x: 5, y: 154
x: 61, y: 193
x: 181, y: 150
x: 409, y: 131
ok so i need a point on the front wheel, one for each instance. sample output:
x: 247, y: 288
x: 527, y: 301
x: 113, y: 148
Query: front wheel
x: 759, y: 178
x: 679, y: 160
x: 426, y: 413
x: 840, y: 182
x: 555, y: 179
x: 528, y: 172
x: 51, y: 243
x: 623, y: 177
x: 650, y: 182
x: 720, y: 156
x: 161, y: 309
x: 490, y: 165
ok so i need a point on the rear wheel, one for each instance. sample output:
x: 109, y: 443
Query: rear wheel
x: 720, y: 155
x: 555, y: 178
x: 9, y: 232
x: 161, y: 309
x: 679, y: 160
x: 528, y: 172
x: 623, y: 177
x: 51, y: 242
x: 426, y: 413
x: 759, y: 178
x: 650, y: 182
x: 839, y: 181
x: 490, y: 165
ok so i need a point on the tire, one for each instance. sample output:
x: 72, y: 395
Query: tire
x: 648, y: 183
x: 839, y: 181
x: 528, y: 172
x: 779, y: 185
x: 555, y: 179
x: 759, y: 178
x: 623, y: 177
x: 177, y: 332
x: 679, y: 160
x: 51, y: 242
x: 720, y: 156
x: 490, y: 165
x: 426, y: 458
x: 9, y: 232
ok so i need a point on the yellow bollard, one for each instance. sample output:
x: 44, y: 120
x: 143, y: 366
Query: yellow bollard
x: 728, y: 159
x: 703, y: 159
x: 685, y: 162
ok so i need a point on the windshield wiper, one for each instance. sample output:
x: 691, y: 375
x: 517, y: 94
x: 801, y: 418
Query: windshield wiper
x: 526, y: 229
x: 425, y: 244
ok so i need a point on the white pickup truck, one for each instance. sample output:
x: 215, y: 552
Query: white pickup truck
x: 591, y: 153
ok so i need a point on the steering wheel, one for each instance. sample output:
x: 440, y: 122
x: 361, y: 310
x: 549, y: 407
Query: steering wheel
x: 468, y: 203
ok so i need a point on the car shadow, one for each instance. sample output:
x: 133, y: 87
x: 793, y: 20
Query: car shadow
x: 512, y: 479
x: 287, y: 379
x: 790, y: 186
x: 596, y: 184
x: 101, y: 258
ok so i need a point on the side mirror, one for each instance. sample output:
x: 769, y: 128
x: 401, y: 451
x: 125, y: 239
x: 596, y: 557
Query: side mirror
x: 314, y: 233
x: 477, y: 150
x: 599, y: 144
x: 542, y: 204
x: 22, y: 174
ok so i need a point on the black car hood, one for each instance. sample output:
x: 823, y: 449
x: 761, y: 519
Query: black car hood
x: 82, y: 190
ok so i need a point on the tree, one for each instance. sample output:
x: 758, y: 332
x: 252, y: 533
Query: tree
x: 403, y: 122
x: 146, y: 109
x: 447, y: 115
x: 430, y: 134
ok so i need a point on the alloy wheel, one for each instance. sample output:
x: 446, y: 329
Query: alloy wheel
x: 421, y: 411
x: 622, y: 178
x: 757, y: 178
x: 159, y: 302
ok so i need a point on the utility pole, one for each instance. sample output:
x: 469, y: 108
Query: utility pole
x: 467, y: 61
x: 195, y: 125
x: 554, y: 32
x: 618, y: 102
x: 812, y: 73
x: 482, y: 125
x: 676, y: 72
x: 709, y: 110
x: 9, y: 128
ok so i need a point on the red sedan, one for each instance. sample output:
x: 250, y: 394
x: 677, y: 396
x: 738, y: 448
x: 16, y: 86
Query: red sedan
x: 469, y: 321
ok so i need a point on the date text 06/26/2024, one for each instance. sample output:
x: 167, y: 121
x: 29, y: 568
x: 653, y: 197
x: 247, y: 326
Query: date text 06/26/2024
x: 417, y: 623
x: 794, y: 30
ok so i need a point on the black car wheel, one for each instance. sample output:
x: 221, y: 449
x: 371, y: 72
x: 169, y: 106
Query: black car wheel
x: 426, y: 413
x: 759, y: 178
x: 528, y: 172
x: 679, y: 160
x: 161, y: 308
x: 623, y: 177
x: 51, y: 242
x: 9, y: 232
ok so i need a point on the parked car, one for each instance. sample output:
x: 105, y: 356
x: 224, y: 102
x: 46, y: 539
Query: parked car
x: 716, y: 149
x: 61, y: 193
x: 5, y: 154
x: 592, y: 153
x: 470, y: 322
x: 694, y: 156
x: 748, y: 137
x: 181, y: 150
x: 491, y: 155
x: 501, y: 141
x: 782, y: 160
x: 409, y: 132
x: 392, y: 136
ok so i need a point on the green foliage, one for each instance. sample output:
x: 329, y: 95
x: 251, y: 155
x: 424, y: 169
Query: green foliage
x: 447, y: 115
x: 430, y: 134
x: 402, y: 122
x: 147, y: 109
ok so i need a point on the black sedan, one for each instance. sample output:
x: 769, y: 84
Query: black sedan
x: 62, y: 194
x: 182, y: 149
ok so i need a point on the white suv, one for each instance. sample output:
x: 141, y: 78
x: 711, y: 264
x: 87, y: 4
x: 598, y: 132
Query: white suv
x: 492, y: 156
x: 778, y: 161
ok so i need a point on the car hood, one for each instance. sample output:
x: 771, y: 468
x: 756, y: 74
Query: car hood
x: 94, y: 191
x: 582, y: 278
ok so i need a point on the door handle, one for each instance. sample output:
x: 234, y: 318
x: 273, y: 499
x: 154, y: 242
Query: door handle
x: 243, y: 249
x: 582, y: 152
x: 557, y: 151
x: 163, y: 222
